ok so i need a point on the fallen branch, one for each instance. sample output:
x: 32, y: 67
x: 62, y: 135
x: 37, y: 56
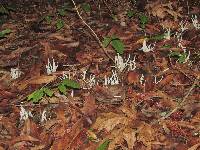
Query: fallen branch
x: 94, y: 34
x: 181, y: 104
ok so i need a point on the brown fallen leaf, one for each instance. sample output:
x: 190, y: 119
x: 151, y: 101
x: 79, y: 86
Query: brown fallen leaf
x: 23, y: 138
x: 89, y: 105
x: 130, y: 136
x: 160, y: 10
x: 133, y: 77
x: 195, y: 147
x: 146, y: 134
x: 109, y: 121
x: 43, y: 79
x: 118, y: 137
x: 113, y: 95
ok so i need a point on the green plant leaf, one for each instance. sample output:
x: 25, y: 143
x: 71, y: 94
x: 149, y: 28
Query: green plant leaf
x: 62, y: 88
x: 104, y: 145
x: 48, y: 92
x: 118, y: 45
x: 86, y: 7
x: 157, y: 37
x: 59, y: 24
x: 5, y: 32
x: 106, y: 41
x: 143, y: 20
x: 130, y: 13
x: 3, y: 10
x: 48, y: 19
x: 182, y: 58
x: 175, y: 54
x: 61, y: 12
x: 36, y: 96
x: 71, y: 83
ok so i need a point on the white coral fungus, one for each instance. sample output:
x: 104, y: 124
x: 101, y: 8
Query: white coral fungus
x: 51, y: 67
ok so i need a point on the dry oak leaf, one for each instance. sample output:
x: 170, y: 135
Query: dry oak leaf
x: 109, y: 121
x: 119, y: 136
x: 146, y: 134
x: 160, y: 10
x: 43, y: 79
x: 195, y: 147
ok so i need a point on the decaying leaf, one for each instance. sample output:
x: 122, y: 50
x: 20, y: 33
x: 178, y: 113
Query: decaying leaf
x: 146, y: 134
x: 109, y: 121
x: 36, y: 80
x: 157, y: 9
x: 124, y: 132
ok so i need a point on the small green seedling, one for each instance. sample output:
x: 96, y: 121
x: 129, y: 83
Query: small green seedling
x: 5, y: 32
x: 116, y: 43
x: 104, y: 145
x: 130, y: 13
x: 143, y: 20
x: 37, y: 95
x: 166, y: 46
x: 59, y: 24
x: 68, y: 84
x: 180, y: 56
x: 48, y: 19
x: 86, y: 7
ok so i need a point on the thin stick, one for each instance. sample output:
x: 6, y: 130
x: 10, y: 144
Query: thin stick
x: 180, y: 104
x: 95, y: 35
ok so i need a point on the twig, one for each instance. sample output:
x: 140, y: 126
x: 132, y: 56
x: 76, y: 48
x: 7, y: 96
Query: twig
x: 94, y: 34
x: 180, y: 104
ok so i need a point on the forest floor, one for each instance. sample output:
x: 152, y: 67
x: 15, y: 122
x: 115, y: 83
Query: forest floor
x: 97, y: 75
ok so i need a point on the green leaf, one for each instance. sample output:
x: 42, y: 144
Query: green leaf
x: 143, y: 20
x: 130, y: 13
x: 166, y: 46
x: 175, y: 54
x: 118, y: 45
x: 36, y: 96
x: 62, y: 89
x: 48, y: 92
x: 71, y: 83
x: 4, y: 32
x: 86, y: 7
x: 48, y: 19
x: 3, y: 10
x: 182, y: 58
x: 59, y: 24
x: 104, y: 145
x: 157, y: 37
x: 106, y: 41
x: 61, y: 12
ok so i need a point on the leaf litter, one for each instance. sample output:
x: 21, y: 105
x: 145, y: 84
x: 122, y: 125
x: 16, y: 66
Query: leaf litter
x: 86, y: 102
